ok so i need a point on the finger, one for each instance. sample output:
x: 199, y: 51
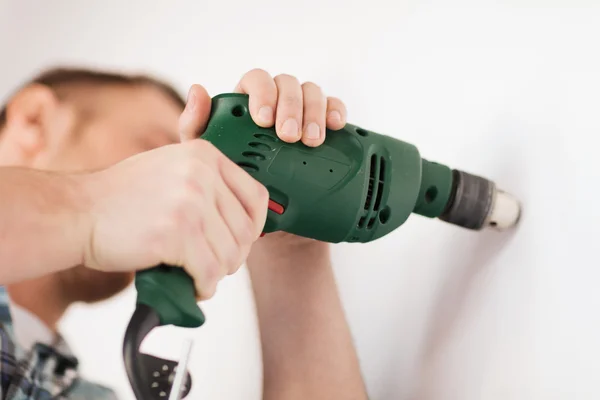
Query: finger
x: 239, y: 223
x: 289, y: 108
x: 192, y: 252
x: 221, y: 240
x: 202, y: 264
x: 251, y: 194
x: 315, y: 107
x: 262, y: 92
x: 194, y: 118
x: 336, y: 114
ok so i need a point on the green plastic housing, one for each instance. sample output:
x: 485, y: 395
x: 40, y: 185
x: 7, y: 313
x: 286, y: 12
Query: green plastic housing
x: 171, y: 293
x: 358, y: 186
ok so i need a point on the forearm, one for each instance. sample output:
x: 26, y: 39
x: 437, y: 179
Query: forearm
x: 42, y: 216
x: 308, y: 351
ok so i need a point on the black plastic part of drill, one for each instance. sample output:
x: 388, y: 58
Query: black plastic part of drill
x: 470, y: 202
x: 151, y: 378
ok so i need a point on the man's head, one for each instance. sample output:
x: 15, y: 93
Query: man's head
x: 79, y: 119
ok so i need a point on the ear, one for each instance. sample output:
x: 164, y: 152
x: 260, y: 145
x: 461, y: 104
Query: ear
x: 31, y: 121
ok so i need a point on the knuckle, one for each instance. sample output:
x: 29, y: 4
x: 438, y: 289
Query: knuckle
x: 194, y: 198
x: 193, y: 145
x: 257, y: 72
x: 205, y: 176
x: 187, y: 162
x: 159, y: 244
x: 334, y: 102
x: 221, y: 159
x: 178, y: 207
x: 210, y: 178
x: 203, y: 146
x: 178, y: 215
x: 187, y: 185
x: 189, y: 168
x: 311, y: 86
x: 262, y: 196
x: 287, y: 78
x: 198, y: 148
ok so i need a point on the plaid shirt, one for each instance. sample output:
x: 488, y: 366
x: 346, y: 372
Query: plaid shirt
x: 42, y: 372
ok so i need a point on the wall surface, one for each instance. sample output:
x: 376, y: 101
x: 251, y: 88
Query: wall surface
x: 508, y: 89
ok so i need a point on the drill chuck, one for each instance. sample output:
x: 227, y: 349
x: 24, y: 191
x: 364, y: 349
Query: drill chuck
x: 476, y: 203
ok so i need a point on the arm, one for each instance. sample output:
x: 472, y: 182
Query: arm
x: 42, y: 218
x: 307, y: 346
x: 108, y: 219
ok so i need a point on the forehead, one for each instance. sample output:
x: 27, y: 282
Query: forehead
x: 139, y: 109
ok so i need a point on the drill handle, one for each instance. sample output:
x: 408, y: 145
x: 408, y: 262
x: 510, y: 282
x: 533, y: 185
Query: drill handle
x: 170, y: 292
x: 166, y: 296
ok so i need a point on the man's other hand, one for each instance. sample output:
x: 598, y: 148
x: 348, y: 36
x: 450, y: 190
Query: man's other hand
x: 298, y: 111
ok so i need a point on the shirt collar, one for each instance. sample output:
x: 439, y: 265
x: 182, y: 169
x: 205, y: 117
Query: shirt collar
x: 28, y: 329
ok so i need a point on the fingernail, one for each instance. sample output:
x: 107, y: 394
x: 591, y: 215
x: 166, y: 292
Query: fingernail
x: 290, y: 129
x: 313, y: 131
x: 335, y: 117
x: 265, y: 114
x: 191, y: 100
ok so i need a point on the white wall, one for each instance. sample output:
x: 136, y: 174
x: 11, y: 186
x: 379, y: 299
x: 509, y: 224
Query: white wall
x: 509, y: 90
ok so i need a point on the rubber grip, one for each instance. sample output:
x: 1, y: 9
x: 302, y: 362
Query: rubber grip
x: 171, y: 293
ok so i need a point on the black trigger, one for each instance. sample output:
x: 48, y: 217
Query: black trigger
x: 161, y: 375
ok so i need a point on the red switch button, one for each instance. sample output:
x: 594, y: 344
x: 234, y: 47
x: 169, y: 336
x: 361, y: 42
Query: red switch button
x: 276, y: 207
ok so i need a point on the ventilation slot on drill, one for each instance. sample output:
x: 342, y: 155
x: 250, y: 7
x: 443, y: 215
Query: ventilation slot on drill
x: 374, y: 197
x: 372, y: 181
x: 380, y: 184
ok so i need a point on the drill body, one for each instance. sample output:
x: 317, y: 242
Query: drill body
x: 358, y: 186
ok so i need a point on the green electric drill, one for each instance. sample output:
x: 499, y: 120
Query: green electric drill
x: 358, y: 186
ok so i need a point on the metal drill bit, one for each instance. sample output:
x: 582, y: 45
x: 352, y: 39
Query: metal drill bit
x: 505, y: 212
x: 181, y: 373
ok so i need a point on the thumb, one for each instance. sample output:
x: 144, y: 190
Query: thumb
x: 194, y: 118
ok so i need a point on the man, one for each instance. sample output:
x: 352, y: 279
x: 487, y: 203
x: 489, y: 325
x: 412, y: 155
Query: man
x: 102, y: 175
